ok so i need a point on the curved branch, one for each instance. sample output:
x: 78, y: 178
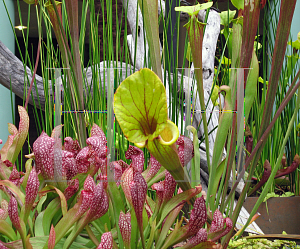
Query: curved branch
x: 13, y: 72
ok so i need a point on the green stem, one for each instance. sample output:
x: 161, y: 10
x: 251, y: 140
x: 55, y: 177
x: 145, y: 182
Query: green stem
x: 92, y: 235
x: 195, y: 33
x: 68, y: 62
x: 275, y: 169
x: 262, y: 140
x: 283, y: 30
x: 72, y: 10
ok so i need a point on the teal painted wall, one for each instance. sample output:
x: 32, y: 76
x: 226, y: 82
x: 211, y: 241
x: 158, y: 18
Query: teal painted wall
x: 7, y: 37
x: 295, y: 28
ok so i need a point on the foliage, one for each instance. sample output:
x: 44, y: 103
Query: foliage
x: 287, y: 76
x: 261, y: 243
x: 243, y: 35
x: 64, y: 206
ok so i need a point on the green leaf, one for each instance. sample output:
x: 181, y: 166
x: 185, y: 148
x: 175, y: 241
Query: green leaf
x: 29, y: 1
x: 151, y: 237
x: 215, y: 96
x: 226, y: 61
x: 149, y: 9
x: 168, y: 224
x: 168, y: 158
x: 28, y: 167
x: 239, y: 4
x: 7, y: 230
x: 50, y: 188
x: 225, y: 15
x: 39, y: 242
x: 205, y: 245
x: 219, y: 172
x: 292, y: 61
x: 196, y: 158
x: 298, y: 37
x: 12, y: 187
x: 159, y: 176
x: 100, y: 223
x: 235, y: 50
x: 118, y: 206
x: 270, y: 195
x: 261, y: 80
x: 258, y: 45
x: 11, y: 152
x: 193, y: 10
x: 225, y: 123
x: 227, y: 32
x: 178, y: 230
x: 189, y: 56
x: 176, y: 200
x: 67, y: 221
x: 295, y: 44
x: 287, y: 194
x: 40, y: 204
x: 134, y: 230
x: 251, y: 86
x: 38, y: 226
x: 50, y: 211
x: 151, y: 202
x: 140, y: 106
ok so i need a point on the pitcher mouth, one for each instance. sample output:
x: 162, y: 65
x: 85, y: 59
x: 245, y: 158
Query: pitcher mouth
x: 170, y: 134
x: 141, y: 144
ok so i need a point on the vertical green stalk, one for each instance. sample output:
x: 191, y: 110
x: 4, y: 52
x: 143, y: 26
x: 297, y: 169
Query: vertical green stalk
x: 56, y: 20
x: 72, y: 12
x: 278, y: 162
x: 195, y: 33
x: 149, y: 9
x: 283, y: 31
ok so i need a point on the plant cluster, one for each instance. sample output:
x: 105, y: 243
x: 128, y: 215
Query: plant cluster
x: 253, y: 243
x: 67, y: 195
